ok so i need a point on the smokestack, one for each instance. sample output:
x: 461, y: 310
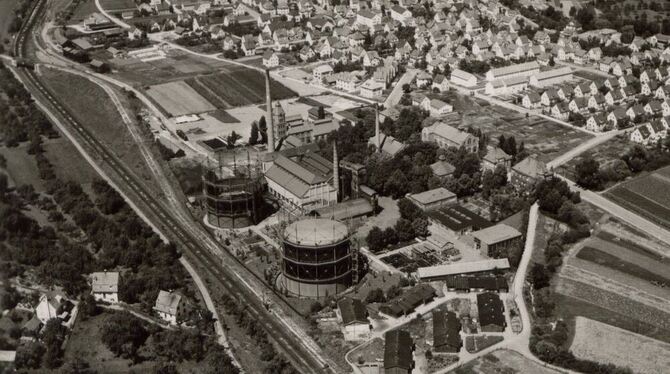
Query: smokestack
x: 336, y: 172
x: 378, y: 141
x: 269, y: 118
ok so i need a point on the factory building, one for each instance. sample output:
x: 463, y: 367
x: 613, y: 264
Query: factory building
x: 317, y: 258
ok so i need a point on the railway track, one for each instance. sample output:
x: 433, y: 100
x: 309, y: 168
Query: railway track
x: 303, y: 359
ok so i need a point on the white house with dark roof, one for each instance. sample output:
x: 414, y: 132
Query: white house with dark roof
x: 168, y: 306
x: 105, y: 286
x: 270, y: 59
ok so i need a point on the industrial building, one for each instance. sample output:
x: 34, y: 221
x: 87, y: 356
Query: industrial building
x: 317, y: 258
x: 233, y: 196
x: 491, y: 312
x: 495, y: 240
x: 433, y: 199
x: 442, y: 272
x: 408, y: 301
x: 398, y: 352
x: 446, y: 332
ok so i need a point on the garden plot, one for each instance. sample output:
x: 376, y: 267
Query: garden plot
x: 603, y: 343
x: 178, y: 98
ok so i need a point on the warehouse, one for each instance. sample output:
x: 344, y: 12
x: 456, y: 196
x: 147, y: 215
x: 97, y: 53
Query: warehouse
x: 442, y: 272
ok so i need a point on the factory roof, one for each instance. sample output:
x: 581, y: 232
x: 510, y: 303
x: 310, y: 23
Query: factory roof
x: 496, y: 234
x: 462, y: 268
x: 433, y: 196
x: 298, y: 174
x: 457, y: 218
x: 491, y: 309
x: 316, y: 231
x: 513, y: 69
x: 446, y: 328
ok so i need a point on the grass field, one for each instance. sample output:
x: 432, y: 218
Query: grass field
x: 92, y: 107
x: 83, y: 10
x: 6, y: 16
x: 603, y: 153
x: 603, y: 343
x: 21, y: 167
x: 648, y: 270
x: 178, y: 98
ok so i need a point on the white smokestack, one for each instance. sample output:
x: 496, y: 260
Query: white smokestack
x: 269, y: 118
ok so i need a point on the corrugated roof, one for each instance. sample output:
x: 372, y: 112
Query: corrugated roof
x: 462, y: 268
x: 496, y: 234
x: 458, y: 218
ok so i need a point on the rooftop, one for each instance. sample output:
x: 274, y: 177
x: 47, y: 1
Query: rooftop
x: 496, y: 234
x: 352, y: 311
x: 432, y: 196
x: 105, y: 281
x: 462, y: 268
x: 316, y: 231
x: 458, y: 218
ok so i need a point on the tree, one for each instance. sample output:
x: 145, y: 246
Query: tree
x: 539, y: 276
x: 375, y: 239
x: 253, y: 137
x: 53, y: 337
x: 29, y: 356
x: 420, y: 226
x: 636, y: 158
x: 263, y: 127
x: 409, y: 210
x: 88, y: 307
x: 124, y: 334
x: 232, y: 139
x: 404, y: 230
x: 375, y: 296
x: 390, y: 236
x: 587, y: 172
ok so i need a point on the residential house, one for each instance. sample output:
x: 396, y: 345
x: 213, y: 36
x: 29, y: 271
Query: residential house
x: 446, y: 136
x: 105, y: 286
x: 528, y: 172
x: 495, y: 156
x: 168, y: 306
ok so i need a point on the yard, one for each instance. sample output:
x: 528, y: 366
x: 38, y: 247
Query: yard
x: 118, y: 5
x: 21, y: 167
x: 603, y: 343
x: 6, y: 17
x: 545, y: 138
x: 603, y: 153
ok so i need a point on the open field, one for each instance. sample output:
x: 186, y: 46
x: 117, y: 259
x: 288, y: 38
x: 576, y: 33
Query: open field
x: 178, y: 98
x: 6, y: 16
x: 603, y: 343
x: 91, y: 106
x: 240, y: 87
x: 648, y: 195
x: 83, y: 10
x: 546, y: 138
x: 68, y: 162
x: 21, y: 167
x: 581, y: 299
x: 503, y: 361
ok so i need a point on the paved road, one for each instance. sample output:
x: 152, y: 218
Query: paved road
x: 111, y: 17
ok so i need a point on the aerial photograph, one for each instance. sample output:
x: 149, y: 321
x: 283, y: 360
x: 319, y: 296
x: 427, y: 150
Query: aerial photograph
x: 335, y: 186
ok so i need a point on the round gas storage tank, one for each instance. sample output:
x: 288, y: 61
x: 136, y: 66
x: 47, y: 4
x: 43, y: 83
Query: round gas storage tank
x: 315, y: 232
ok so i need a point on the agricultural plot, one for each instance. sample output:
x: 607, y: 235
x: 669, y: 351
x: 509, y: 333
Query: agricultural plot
x: 178, y: 98
x: 612, y: 308
x: 628, y: 263
x: 118, y: 5
x: 241, y: 87
x: 600, y: 342
x: 648, y: 195
x: 503, y: 361
x: 603, y: 153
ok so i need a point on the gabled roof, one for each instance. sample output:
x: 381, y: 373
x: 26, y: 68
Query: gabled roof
x: 496, y: 234
x: 398, y: 350
x: 352, y: 311
x: 531, y: 167
x: 491, y: 309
